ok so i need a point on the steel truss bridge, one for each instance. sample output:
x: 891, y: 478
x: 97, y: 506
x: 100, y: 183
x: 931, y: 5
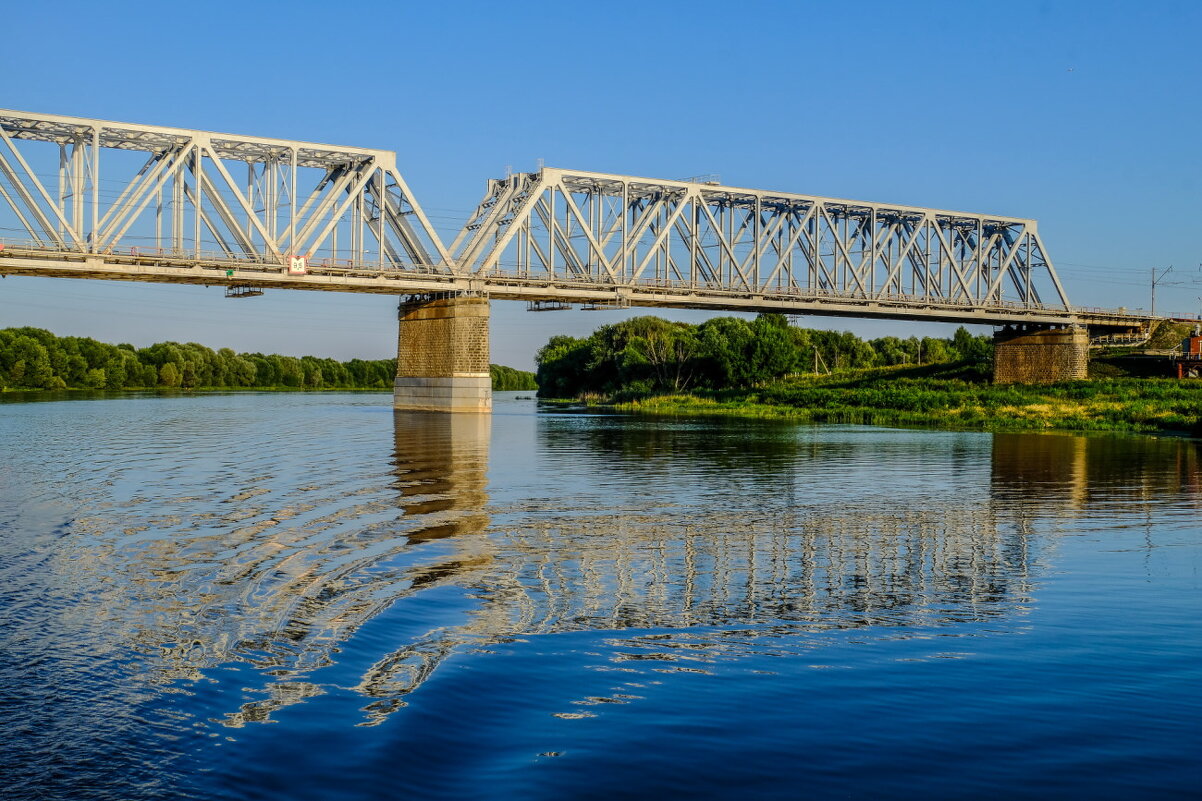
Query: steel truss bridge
x: 88, y: 198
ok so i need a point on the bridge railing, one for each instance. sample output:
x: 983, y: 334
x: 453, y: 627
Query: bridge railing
x: 712, y: 291
x: 144, y: 254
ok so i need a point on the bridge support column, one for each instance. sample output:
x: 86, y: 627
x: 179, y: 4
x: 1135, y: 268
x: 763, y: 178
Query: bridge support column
x: 442, y: 355
x: 1040, y: 355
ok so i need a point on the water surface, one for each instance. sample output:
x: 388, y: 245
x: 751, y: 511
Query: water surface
x: 269, y: 596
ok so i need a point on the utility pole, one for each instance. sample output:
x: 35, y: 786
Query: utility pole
x: 1156, y: 279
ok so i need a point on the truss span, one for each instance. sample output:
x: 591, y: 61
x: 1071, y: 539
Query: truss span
x: 80, y: 186
x: 568, y: 227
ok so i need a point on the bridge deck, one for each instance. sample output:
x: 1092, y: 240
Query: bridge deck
x: 160, y: 268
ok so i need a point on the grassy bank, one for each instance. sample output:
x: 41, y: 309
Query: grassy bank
x: 951, y: 396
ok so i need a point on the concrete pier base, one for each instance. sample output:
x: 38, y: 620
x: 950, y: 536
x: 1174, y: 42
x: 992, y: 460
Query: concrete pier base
x: 442, y: 356
x: 1040, y: 355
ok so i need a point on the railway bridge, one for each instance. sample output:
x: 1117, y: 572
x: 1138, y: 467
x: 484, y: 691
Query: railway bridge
x: 84, y: 198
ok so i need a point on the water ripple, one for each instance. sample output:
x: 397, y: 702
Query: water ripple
x: 177, y: 572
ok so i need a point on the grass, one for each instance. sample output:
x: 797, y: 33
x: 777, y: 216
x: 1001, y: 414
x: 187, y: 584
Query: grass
x: 953, y: 396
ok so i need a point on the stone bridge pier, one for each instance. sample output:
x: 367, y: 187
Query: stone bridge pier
x: 1030, y: 354
x: 442, y: 355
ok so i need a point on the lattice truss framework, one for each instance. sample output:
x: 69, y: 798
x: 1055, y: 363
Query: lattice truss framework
x: 91, y: 186
x: 584, y: 227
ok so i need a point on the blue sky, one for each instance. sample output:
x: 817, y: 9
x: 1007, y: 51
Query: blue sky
x: 1084, y: 115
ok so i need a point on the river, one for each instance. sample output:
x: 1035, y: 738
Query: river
x: 309, y: 596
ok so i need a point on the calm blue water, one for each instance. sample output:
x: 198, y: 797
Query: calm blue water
x: 285, y: 596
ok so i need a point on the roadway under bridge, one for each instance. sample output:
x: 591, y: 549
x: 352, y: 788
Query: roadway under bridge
x: 83, y: 198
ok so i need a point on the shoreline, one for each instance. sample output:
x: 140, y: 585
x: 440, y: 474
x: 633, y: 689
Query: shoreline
x: 84, y: 393
x: 927, y: 399
x: 699, y: 409
x: 178, y: 390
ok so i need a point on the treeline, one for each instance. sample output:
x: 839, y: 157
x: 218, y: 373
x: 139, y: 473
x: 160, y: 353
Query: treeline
x: 33, y: 358
x: 647, y: 355
x: 508, y: 379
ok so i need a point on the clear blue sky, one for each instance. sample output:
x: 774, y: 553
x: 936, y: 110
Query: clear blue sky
x: 1084, y: 115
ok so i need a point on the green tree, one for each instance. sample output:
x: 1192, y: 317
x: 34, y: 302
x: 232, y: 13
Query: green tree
x: 169, y: 375
x: 934, y: 351
x: 725, y: 343
x: 563, y: 367
x: 31, y: 365
x: 773, y: 351
x: 95, y: 378
x: 891, y: 350
x: 655, y: 348
x: 291, y: 372
x: 971, y: 348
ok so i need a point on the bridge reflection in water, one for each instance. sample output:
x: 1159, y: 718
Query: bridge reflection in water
x: 744, y: 551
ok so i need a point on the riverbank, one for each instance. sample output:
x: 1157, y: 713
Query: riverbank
x: 34, y: 359
x: 949, y: 396
x: 11, y: 395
